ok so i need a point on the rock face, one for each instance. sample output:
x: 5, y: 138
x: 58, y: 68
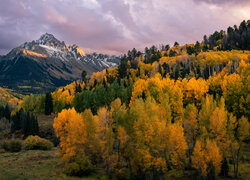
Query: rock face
x: 47, y: 63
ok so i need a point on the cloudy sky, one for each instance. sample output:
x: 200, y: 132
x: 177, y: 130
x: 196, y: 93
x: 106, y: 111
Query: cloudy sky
x: 115, y: 26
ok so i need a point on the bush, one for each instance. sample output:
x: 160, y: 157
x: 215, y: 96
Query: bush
x: 174, y: 174
x: 2, y: 151
x: 80, y: 167
x: 12, y: 145
x: 123, y: 174
x: 37, y: 143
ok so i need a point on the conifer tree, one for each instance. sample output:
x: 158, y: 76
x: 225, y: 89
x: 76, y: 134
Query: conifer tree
x: 48, y: 104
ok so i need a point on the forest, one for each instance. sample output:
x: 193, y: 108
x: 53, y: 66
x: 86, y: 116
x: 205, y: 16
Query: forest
x: 161, y: 113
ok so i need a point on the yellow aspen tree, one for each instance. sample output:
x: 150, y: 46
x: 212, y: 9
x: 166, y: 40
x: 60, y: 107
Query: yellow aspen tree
x: 177, y: 145
x: 217, y: 128
x: 190, y: 127
x: 119, y: 113
x: 70, y: 129
x: 242, y: 133
x: 214, y: 156
x: 199, y: 158
x: 106, y: 138
x: 207, y: 107
x: 194, y: 91
x: 123, y: 139
x: 92, y: 142
x: 149, y: 145
x: 206, y: 157
x: 165, y: 109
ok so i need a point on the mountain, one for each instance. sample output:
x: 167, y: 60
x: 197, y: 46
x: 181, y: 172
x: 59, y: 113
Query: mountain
x: 47, y: 63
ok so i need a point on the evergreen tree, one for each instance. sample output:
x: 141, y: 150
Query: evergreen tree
x: 190, y: 50
x: 26, y: 122
x: 176, y: 43
x: 84, y: 76
x: 172, y: 53
x: 197, y: 48
x: 78, y: 88
x: 123, y: 68
x: 7, y: 112
x: 224, y: 168
x: 95, y: 83
x: 104, y: 83
x: 160, y: 70
x: 48, y: 104
x: 167, y: 47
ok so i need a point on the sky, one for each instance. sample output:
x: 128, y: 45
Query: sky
x: 116, y: 26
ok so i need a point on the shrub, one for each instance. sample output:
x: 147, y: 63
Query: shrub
x: 37, y: 143
x: 12, y: 145
x: 174, y: 174
x: 80, y: 167
x: 123, y: 174
x: 2, y: 151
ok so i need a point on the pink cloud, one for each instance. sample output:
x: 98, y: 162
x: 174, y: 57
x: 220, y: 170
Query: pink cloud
x: 115, y: 26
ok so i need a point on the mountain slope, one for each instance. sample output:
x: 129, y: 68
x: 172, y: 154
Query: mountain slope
x: 47, y: 63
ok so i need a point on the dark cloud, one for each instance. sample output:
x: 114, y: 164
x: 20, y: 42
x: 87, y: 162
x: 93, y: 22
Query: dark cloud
x: 114, y: 26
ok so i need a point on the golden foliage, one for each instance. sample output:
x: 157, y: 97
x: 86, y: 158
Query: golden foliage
x: 206, y: 156
x: 177, y: 144
x: 66, y: 94
x: 70, y: 128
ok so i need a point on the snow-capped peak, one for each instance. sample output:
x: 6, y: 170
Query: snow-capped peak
x: 49, y: 40
x: 47, y: 46
x: 46, y: 38
x: 77, y: 50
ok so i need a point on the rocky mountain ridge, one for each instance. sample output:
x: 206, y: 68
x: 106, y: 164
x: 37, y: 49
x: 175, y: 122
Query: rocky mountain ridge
x: 48, y: 63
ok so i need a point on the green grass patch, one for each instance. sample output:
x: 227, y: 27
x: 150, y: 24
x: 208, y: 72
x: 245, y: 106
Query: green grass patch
x: 35, y: 164
x: 30, y: 165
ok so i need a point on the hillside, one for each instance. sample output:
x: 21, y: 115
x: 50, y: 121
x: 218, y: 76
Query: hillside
x: 9, y: 96
x: 47, y: 63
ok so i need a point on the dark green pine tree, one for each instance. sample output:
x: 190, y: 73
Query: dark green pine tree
x: 95, y: 83
x: 48, y: 104
x: 35, y: 126
x: 224, y: 168
x: 1, y: 112
x: 78, y: 88
x: 176, y: 43
x: 7, y: 112
x: 15, y: 122
x: 143, y: 96
x: 159, y: 69
x: 123, y: 68
x: 172, y: 53
x: 84, y: 76
x: 27, y: 125
x: 104, y: 83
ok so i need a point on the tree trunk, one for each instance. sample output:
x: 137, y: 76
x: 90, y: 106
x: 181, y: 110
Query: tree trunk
x: 237, y: 163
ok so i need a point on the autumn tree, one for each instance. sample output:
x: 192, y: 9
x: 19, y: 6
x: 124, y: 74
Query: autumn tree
x: 190, y: 126
x: 206, y: 157
x: 177, y: 145
x: 106, y: 138
x: 217, y: 128
x: 207, y: 107
x: 234, y: 94
x: 70, y: 129
x: 149, y: 140
x: 238, y: 131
